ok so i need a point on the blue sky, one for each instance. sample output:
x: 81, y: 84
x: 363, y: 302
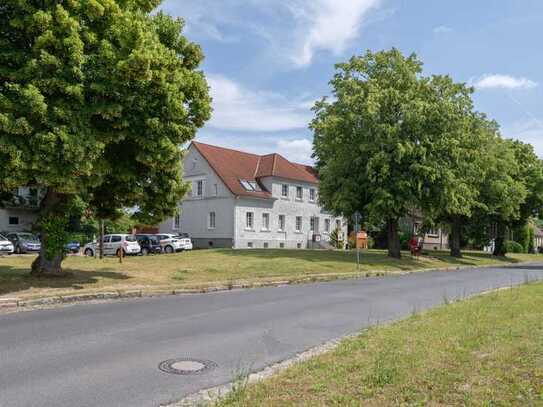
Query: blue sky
x: 267, y: 61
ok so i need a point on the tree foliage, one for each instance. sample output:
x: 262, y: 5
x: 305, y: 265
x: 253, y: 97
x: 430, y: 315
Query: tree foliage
x: 392, y: 141
x: 96, y: 100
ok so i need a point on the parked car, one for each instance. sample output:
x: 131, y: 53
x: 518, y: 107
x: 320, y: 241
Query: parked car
x: 6, y: 247
x: 113, y: 244
x: 24, y: 242
x: 72, y: 247
x: 149, y: 244
x: 171, y: 243
x: 185, y: 239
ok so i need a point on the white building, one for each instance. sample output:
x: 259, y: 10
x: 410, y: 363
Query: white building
x: 244, y: 200
x: 20, y: 213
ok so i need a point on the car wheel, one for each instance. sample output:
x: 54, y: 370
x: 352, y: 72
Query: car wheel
x: 89, y: 252
x: 144, y: 251
x: 169, y: 249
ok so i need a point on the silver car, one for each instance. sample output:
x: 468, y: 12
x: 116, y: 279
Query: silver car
x: 113, y: 244
x: 6, y: 247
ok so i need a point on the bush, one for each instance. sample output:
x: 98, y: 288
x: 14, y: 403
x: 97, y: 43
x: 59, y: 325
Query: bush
x: 404, y: 241
x: 531, y: 242
x: 513, y: 247
x: 522, y: 236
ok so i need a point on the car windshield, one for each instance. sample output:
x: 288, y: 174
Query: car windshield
x: 153, y: 239
x: 3, y: 237
x: 27, y: 236
x: 130, y: 238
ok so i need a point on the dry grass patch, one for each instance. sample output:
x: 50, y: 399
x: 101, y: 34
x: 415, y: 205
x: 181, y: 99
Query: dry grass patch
x: 202, y: 268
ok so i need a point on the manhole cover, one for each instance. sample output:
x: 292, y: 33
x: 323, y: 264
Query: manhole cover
x: 186, y: 366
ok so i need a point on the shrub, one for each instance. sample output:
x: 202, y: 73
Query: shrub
x: 531, y: 242
x: 513, y: 247
x: 404, y: 241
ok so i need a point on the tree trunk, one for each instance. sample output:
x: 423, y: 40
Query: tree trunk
x: 393, y: 239
x: 47, y: 263
x: 455, y: 238
x: 499, y: 243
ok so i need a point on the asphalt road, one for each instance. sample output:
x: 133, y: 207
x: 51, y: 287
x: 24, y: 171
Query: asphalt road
x: 108, y: 354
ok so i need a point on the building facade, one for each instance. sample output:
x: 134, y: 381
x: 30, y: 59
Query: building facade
x: 242, y: 200
x: 20, y: 213
x: 432, y: 239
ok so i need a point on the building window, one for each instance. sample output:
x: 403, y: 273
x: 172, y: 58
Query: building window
x: 200, y: 188
x: 327, y: 225
x: 266, y: 245
x: 298, y: 223
x: 312, y: 194
x: 281, y: 223
x: 212, y: 219
x: 249, y: 220
x: 432, y: 232
x: 298, y: 245
x: 312, y: 223
x: 281, y: 245
x: 13, y: 220
x: 250, y: 245
x: 299, y: 193
x: 250, y: 185
x: 177, y: 221
x: 215, y: 189
x: 265, y: 221
x: 284, y: 190
x: 338, y: 224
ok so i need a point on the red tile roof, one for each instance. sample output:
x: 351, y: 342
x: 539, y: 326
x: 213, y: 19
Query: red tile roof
x: 232, y: 166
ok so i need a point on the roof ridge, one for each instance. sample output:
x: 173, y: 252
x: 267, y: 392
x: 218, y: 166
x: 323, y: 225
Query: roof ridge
x: 225, y: 148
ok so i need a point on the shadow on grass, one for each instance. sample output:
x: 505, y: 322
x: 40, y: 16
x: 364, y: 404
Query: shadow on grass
x: 14, y: 279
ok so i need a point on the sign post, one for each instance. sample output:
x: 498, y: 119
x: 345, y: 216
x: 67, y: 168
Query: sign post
x: 356, y: 231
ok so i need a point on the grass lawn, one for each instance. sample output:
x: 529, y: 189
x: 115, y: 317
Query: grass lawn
x: 486, y: 351
x: 201, y: 268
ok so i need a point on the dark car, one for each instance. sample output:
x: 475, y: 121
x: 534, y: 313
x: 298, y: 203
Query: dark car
x: 149, y: 244
x: 72, y: 247
x: 24, y: 242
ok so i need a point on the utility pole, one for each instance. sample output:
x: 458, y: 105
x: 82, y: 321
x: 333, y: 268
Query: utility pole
x: 356, y: 231
x: 101, y: 240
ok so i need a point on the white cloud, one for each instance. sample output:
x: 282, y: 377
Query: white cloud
x: 238, y: 108
x: 329, y: 25
x: 442, y: 29
x: 299, y: 150
x: 496, y: 81
x: 295, y: 30
x: 294, y: 147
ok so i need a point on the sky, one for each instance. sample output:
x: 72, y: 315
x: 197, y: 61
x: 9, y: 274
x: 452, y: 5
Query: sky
x: 268, y: 61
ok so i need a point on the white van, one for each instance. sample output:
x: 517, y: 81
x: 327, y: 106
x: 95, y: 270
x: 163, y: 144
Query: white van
x: 113, y: 244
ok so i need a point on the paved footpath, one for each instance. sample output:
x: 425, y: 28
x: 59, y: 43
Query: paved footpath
x: 108, y: 354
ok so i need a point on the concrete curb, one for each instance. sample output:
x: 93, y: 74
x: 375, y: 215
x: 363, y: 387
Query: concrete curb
x: 211, y: 395
x: 20, y: 304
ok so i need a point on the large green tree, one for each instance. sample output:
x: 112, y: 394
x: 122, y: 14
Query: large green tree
x: 462, y: 163
x: 525, y: 200
x: 382, y: 145
x: 96, y: 99
x: 501, y: 194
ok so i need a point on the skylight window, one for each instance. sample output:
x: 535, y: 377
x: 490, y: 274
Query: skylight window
x: 255, y: 186
x: 250, y: 185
